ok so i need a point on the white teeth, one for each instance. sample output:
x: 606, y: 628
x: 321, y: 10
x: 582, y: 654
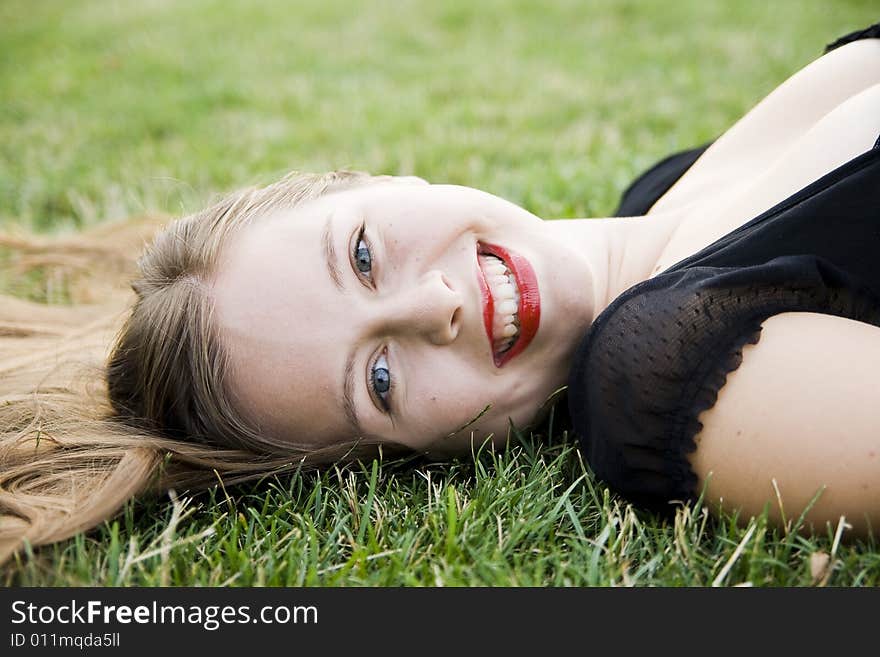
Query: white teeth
x: 505, y: 294
x: 506, y: 307
x: 500, y: 321
x: 505, y: 289
x: 496, y: 269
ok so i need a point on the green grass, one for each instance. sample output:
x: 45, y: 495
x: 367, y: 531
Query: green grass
x: 527, y: 516
x: 111, y: 109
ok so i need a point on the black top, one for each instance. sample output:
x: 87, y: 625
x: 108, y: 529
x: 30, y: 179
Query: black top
x: 657, y: 356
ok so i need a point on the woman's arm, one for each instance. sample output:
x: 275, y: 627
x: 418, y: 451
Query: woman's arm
x: 803, y: 410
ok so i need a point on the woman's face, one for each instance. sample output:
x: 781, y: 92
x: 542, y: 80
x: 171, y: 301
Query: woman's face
x: 368, y: 312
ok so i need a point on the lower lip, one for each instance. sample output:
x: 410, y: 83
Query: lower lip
x: 529, y: 300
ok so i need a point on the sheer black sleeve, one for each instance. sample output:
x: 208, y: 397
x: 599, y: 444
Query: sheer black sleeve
x: 658, y: 355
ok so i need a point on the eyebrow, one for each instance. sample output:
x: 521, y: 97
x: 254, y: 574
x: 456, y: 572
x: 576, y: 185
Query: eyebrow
x: 330, y: 256
x: 348, y: 395
x: 333, y: 269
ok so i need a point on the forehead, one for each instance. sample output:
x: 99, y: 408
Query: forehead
x: 281, y: 320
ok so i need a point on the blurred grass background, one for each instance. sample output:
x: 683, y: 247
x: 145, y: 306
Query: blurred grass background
x: 114, y: 109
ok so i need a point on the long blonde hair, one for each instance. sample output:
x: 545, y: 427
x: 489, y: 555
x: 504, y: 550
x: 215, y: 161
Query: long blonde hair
x: 99, y: 403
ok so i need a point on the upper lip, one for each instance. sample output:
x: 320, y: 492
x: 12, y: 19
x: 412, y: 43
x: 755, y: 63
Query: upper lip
x: 530, y: 301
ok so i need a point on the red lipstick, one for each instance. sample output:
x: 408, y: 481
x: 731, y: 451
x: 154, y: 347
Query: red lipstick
x: 529, y: 312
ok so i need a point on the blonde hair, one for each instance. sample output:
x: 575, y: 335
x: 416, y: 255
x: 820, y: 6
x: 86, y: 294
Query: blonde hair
x: 84, y: 428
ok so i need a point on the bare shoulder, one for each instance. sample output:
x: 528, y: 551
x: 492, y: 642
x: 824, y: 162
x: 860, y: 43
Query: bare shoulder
x: 863, y: 51
x: 801, y: 411
x: 784, y: 144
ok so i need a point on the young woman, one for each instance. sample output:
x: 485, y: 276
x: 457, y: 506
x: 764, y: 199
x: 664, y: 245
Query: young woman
x: 720, y: 337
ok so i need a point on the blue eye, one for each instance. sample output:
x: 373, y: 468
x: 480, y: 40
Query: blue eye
x: 380, y: 377
x: 363, y: 259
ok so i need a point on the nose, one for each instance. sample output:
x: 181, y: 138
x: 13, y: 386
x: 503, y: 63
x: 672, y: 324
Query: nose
x: 431, y: 308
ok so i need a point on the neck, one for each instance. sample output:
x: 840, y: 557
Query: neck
x: 618, y: 251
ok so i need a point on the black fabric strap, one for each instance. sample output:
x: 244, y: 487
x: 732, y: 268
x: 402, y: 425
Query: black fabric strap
x: 653, y: 183
x: 872, y: 32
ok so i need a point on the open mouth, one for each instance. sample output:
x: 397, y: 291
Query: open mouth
x: 511, y: 303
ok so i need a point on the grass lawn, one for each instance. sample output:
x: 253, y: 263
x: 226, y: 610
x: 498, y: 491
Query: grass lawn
x: 114, y: 109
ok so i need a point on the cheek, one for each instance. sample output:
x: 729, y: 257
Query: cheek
x: 452, y: 401
x: 453, y: 412
x: 443, y: 392
x: 428, y: 242
x: 472, y: 433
